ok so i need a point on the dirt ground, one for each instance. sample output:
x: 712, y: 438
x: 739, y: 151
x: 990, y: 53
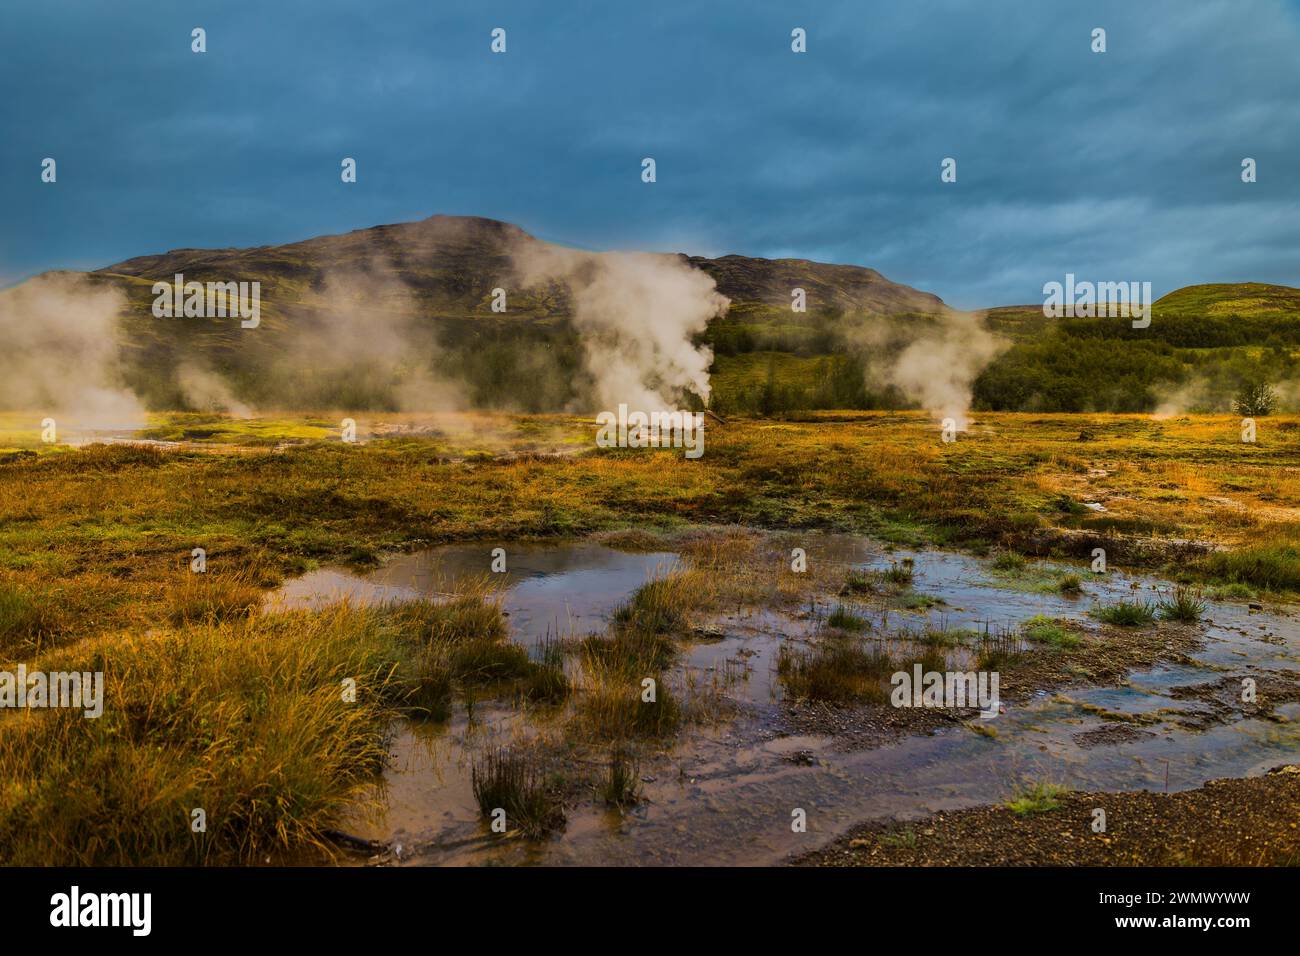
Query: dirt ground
x: 1250, y: 822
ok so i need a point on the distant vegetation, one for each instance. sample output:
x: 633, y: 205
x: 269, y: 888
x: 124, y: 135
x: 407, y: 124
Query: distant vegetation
x: 1209, y: 349
x: 400, y: 317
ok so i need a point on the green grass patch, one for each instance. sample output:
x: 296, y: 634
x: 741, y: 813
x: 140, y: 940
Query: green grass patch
x: 1046, y: 630
x: 1126, y: 613
x: 1038, y: 798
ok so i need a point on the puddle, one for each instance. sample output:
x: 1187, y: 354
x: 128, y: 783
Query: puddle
x: 564, y: 589
x: 724, y: 794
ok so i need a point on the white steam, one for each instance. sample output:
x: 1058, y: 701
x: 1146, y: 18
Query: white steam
x: 637, y: 315
x: 207, y: 391
x: 61, y: 353
x: 933, y: 360
x: 367, y: 327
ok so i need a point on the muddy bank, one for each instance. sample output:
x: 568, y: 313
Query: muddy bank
x: 1250, y: 822
x: 1103, y: 656
x: 1112, y: 709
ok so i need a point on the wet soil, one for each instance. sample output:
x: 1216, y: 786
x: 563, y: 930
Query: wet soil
x: 1128, y: 709
x: 1250, y: 822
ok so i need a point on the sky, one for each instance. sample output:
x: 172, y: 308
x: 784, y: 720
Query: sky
x: 1115, y: 166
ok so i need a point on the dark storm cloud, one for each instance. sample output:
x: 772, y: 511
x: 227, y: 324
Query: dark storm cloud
x: 1124, y: 165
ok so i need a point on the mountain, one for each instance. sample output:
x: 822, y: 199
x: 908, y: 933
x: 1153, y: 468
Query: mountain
x: 744, y: 279
x: 451, y: 263
x: 430, y: 285
x: 359, y: 319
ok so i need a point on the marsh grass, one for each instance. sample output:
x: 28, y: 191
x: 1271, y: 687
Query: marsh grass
x: 628, y: 650
x: 999, y: 649
x: 920, y: 602
x: 1232, y: 592
x: 839, y: 669
x: 29, y: 617
x: 463, y: 643
x: 1038, y: 798
x: 859, y: 581
x: 613, y: 703
x: 621, y: 786
x: 431, y: 683
x: 245, y: 715
x: 899, y: 574
x: 213, y: 596
x: 862, y: 581
x: 1070, y: 585
x: 1046, y: 630
x: 931, y: 659
x: 1010, y: 562
x: 661, y: 605
x: 484, y: 661
x: 611, y: 668
x: 512, y: 779
x: 1126, y: 613
x: 846, y: 619
x: 944, y: 636
x: 244, y: 718
x: 1270, y: 560
x: 473, y: 613
x: 1185, y: 605
x: 546, y: 680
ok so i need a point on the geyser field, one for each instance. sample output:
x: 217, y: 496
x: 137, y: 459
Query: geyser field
x: 376, y: 565
x: 516, y: 680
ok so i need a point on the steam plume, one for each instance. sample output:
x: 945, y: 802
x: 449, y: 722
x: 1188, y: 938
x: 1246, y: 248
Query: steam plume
x: 637, y: 315
x: 61, y: 353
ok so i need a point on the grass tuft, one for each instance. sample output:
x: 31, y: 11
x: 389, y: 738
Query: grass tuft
x: 504, y: 778
x: 999, y: 649
x: 1185, y: 605
x: 621, y: 787
x: 1126, y: 613
x: 838, y: 669
x: 1070, y: 585
x: 845, y: 619
x: 247, y: 719
x: 1046, y: 630
x: 1009, y: 562
x: 1038, y: 798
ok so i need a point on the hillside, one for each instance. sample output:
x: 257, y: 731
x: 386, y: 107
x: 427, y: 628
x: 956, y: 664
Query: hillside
x: 433, y: 282
x: 1204, y: 344
x: 351, y: 320
x: 452, y: 263
x: 1204, y: 316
